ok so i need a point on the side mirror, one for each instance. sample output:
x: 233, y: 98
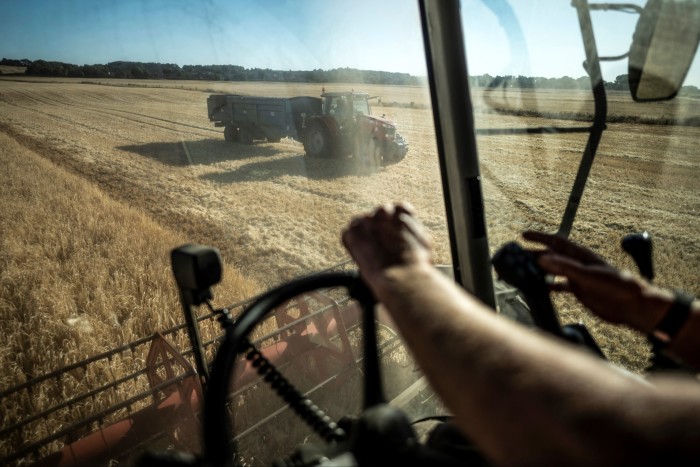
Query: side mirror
x: 663, y: 47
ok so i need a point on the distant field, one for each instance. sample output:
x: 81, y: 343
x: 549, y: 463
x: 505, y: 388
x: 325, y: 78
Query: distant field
x: 276, y: 215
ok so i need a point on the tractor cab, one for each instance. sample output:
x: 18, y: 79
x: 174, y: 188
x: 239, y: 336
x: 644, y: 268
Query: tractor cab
x: 171, y: 298
x: 345, y: 104
x: 346, y: 127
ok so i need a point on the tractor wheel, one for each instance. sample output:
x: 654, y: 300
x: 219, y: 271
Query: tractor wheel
x: 231, y: 134
x: 245, y: 136
x: 317, y: 141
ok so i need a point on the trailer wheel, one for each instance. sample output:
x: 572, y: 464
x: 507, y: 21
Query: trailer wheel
x: 231, y: 133
x: 245, y: 136
x: 317, y: 141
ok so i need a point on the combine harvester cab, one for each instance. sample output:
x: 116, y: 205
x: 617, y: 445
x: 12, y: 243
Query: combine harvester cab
x: 288, y: 374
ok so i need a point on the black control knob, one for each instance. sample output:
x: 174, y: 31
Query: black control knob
x: 639, y: 247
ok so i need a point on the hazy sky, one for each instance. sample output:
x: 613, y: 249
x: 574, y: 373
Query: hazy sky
x: 304, y: 34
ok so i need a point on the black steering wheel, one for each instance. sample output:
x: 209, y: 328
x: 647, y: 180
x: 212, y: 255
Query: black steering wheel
x: 219, y: 449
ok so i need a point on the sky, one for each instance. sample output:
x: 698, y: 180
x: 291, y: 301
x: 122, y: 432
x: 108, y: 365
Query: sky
x: 307, y: 34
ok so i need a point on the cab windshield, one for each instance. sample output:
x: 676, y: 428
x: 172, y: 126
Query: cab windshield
x: 127, y: 130
x: 360, y: 106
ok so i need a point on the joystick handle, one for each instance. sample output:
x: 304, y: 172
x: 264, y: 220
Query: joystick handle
x: 640, y: 248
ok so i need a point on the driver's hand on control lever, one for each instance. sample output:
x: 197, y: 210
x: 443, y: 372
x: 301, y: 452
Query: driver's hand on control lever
x: 616, y: 296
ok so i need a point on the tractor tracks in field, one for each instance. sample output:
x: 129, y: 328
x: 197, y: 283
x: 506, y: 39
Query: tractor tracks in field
x: 120, y: 186
x: 104, y: 111
x: 508, y: 192
x: 62, y: 118
x: 193, y: 208
x: 289, y: 170
x: 199, y: 207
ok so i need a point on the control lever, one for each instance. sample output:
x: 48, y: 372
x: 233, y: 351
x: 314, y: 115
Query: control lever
x: 639, y: 247
x: 518, y: 267
x: 196, y: 269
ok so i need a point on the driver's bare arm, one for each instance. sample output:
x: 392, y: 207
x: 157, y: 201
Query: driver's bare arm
x: 616, y: 296
x: 522, y: 397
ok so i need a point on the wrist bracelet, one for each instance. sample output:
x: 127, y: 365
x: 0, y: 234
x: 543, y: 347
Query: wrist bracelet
x: 673, y: 321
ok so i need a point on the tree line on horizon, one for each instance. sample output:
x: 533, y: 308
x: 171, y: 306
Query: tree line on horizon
x: 141, y: 70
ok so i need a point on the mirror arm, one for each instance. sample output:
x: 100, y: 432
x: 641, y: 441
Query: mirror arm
x: 622, y: 7
x: 592, y: 67
x: 615, y: 58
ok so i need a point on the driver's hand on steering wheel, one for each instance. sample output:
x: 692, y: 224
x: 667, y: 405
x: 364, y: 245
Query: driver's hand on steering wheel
x: 389, y: 237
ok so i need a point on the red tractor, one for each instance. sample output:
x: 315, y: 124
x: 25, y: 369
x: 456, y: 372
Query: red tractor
x: 346, y: 126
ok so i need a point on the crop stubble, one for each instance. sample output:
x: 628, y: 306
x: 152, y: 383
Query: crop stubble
x: 276, y: 214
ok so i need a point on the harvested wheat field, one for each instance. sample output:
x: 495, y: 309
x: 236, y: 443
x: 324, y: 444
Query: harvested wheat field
x: 275, y: 214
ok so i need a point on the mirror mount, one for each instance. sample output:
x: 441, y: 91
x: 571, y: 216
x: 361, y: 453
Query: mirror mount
x: 663, y: 47
x: 619, y: 7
